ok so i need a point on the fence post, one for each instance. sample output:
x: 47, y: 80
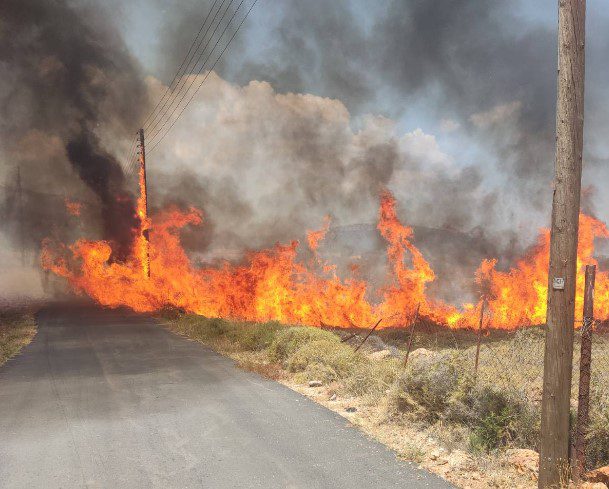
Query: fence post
x: 479, y: 337
x: 585, y: 363
x: 414, y: 324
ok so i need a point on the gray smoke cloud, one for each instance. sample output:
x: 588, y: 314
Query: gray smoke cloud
x: 68, y: 90
x: 481, y: 64
x: 486, y: 69
x: 266, y: 166
x: 267, y: 159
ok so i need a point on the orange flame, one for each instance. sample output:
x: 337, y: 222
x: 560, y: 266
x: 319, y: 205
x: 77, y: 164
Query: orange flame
x: 273, y: 284
x: 316, y: 237
x: 73, y: 207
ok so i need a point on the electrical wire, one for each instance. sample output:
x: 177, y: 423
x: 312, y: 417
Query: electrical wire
x: 183, y: 81
x: 208, y: 72
x: 179, y: 73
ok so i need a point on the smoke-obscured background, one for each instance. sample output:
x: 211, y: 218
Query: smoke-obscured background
x: 316, y: 107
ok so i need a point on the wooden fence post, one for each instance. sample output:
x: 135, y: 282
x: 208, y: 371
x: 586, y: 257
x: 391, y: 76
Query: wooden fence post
x: 585, y: 362
x: 480, y: 325
x: 414, y: 325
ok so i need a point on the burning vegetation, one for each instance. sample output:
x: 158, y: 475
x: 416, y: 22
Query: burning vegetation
x: 274, y: 284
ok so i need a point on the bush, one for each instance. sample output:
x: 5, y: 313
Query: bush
x: 597, y: 452
x: 428, y: 385
x: 372, y: 378
x: 331, y: 353
x: 202, y: 328
x: 253, y: 336
x: 17, y: 328
x: 237, y: 335
x: 288, y: 340
x: 316, y: 371
x: 497, y: 418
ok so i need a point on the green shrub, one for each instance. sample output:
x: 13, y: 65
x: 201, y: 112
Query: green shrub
x: 202, y: 328
x: 288, y: 340
x: 597, y: 452
x: 428, y: 385
x: 17, y: 328
x: 253, y: 336
x: 316, y: 371
x: 238, y: 335
x: 372, y: 378
x: 497, y: 418
x: 331, y: 353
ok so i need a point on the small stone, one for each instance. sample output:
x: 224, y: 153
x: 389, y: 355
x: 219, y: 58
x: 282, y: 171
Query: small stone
x: 592, y: 485
x: 524, y: 460
x: 380, y: 355
x: 598, y: 475
x: 315, y: 383
x: 333, y: 397
x: 459, y: 459
x: 435, y: 454
x: 351, y: 409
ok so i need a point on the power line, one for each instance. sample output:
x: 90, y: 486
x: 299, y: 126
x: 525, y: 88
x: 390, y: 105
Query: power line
x: 183, y: 81
x: 46, y: 194
x: 179, y: 73
x: 127, y: 161
x: 209, y: 71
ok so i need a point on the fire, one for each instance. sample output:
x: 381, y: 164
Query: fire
x: 316, y: 237
x: 73, y: 207
x: 273, y: 284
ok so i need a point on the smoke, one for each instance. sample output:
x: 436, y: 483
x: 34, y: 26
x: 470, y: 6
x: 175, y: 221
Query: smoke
x: 68, y: 89
x: 485, y: 67
x: 305, y: 117
x: 266, y: 166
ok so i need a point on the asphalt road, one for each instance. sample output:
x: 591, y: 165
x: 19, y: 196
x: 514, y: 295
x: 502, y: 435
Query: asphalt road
x: 108, y: 399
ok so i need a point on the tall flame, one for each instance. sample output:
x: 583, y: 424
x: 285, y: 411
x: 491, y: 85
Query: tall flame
x: 273, y: 284
x: 73, y: 207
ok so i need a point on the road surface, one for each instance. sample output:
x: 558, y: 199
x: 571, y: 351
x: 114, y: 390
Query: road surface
x: 107, y: 399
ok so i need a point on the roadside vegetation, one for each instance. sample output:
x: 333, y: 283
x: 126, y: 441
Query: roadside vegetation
x: 478, y: 429
x: 17, y: 328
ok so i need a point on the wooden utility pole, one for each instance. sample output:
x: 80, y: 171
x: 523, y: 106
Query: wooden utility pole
x: 585, y: 364
x: 411, y: 338
x: 558, y: 361
x: 143, y: 207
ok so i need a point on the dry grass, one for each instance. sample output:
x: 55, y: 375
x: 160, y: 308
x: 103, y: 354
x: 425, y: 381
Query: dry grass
x: 17, y: 328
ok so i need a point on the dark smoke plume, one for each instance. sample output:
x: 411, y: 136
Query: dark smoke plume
x: 67, y: 84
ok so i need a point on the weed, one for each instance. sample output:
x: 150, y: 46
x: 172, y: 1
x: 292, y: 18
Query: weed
x: 290, y: 339
x: 330, y: 353
x: 17, y: 328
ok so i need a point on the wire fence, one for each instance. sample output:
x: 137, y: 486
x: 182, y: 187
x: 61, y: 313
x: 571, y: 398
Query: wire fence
x: 511, y: 364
